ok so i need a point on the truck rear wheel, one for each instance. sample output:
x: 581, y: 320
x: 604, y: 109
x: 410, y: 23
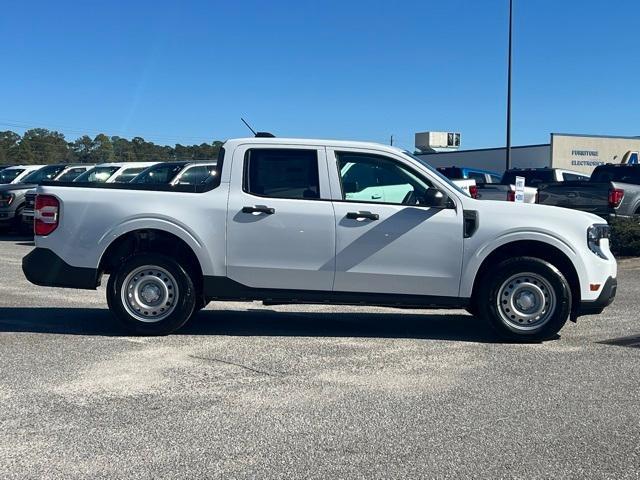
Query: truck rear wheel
x: 524, y: 299
x: 151, y: 294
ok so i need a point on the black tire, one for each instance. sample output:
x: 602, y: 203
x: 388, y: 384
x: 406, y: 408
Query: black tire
x: 538, y: 285
x: 180, y: 306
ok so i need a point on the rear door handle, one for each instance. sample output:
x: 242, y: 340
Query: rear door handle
x: 259, y: 209
x: 359, y: 215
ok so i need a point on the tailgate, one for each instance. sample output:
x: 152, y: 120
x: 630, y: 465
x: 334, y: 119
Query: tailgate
x: 585, y: 196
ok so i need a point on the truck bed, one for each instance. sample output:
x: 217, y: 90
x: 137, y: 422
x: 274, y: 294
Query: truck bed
x: 591, y: 197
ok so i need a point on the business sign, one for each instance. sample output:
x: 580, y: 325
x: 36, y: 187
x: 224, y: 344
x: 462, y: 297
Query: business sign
x: 519, y: 197
x: 585, y: 158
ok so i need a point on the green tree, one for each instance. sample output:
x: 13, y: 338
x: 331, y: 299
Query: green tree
x: 9, y: 143
x: 102, y: 149
x: 82, y: 150
x: 46, y: 146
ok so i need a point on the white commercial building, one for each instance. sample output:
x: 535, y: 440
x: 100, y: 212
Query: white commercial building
x: 581, y: 153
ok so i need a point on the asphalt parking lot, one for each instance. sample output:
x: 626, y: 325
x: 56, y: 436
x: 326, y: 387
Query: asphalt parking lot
x: 246, y: 391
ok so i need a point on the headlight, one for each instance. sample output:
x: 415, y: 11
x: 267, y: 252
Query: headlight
x: 595, y: 234
x: 6, y: 199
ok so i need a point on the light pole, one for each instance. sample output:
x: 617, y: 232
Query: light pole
x: 508, y: 150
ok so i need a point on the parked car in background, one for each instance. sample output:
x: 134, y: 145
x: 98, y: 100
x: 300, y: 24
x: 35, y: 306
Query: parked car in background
x: 480, y: 176
x: 488, y: 184
x: 467, y: 186
x: 12, y: 195
x: 612, y: 191
x: 16, y: 173
x: 66, y: 174
x: 116, y: 172
x: 176, y: 173
x: 505, y: 192
x: 299, y: 221
x: 536, y: 176
x: 469, y: 178
x: 2, y: 167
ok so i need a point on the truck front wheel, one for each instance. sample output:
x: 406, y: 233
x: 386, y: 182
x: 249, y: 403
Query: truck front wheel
x: 151, y: 294
x: 524, y: 299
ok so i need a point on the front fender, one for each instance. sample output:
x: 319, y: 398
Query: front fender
x: 473, y: 263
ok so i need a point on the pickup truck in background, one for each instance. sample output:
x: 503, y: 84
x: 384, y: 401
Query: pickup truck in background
x: 320, y: 221
x: 612, y: 191
x: 176, y: 173
x: 505, y: 190
x: 536, y: 176
x: 16, y: 173
x: 463, y: 173
x: 116, y: 172
x: 13, y: 195
x: 68, y: 173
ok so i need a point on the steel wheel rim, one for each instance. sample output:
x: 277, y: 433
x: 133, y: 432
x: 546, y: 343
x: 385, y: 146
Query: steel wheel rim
x: 150, y: 293
x: 526, y: 301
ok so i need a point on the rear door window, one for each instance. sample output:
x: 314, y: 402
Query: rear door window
x: 282, y: 173
x: 478, y: 177
x: 617, y: 174
x: 572, y: 177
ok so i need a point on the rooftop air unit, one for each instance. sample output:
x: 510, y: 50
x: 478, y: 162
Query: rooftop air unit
x: 437, y: 141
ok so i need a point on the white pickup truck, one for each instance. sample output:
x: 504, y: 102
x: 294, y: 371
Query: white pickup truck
x: 315, y: 221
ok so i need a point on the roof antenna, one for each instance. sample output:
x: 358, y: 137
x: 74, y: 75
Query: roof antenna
x: 258, y: 134
x: 248, y: 126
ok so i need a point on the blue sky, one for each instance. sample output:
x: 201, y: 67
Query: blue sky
x: 185, y: 71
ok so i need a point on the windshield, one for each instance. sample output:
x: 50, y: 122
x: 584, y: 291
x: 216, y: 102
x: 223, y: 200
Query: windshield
x: 532, y: 178
x: 128, y: 174
x: 71, y: 174
x: 159, y: 174
x: 97, y: 174
x: 42, y: 174
x: 437, y: 174
x: 9, y: 175
x: 197, y: 175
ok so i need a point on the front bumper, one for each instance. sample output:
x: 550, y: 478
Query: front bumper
x: 606, y: 297
x: 43, y: 267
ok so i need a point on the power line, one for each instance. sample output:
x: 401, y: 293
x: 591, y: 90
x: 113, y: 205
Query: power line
x: 84, y: 131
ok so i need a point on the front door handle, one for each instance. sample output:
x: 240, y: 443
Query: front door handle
x: 359, y: 215
x: 259, y: 209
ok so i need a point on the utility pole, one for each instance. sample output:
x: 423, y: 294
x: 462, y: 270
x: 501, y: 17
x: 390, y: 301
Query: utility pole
x: 508, y: 150
x: 391, y: 141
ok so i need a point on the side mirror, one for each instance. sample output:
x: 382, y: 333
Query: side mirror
x: 435, y: 198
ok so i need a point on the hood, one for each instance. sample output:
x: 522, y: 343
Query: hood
x: 8, y: 187
x: 545, y: 216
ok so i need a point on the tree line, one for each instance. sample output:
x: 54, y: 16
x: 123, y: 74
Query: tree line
x: 42, y: 146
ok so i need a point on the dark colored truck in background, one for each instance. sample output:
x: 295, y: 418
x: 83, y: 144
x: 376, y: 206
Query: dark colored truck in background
x: 612, y: 191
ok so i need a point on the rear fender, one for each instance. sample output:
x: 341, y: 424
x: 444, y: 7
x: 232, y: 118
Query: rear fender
x: 151, y: 223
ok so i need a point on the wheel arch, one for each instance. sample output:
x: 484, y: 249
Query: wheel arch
x: 532, y: 248
x: 151, y: 240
